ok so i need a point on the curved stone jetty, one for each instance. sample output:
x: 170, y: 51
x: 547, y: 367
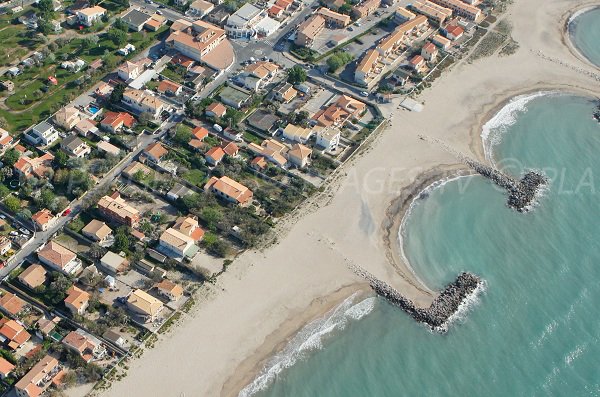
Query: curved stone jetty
x: 521, y: 193
x: 442, y: 308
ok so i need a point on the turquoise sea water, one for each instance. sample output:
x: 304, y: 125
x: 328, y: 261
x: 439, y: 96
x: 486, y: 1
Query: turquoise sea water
x: 535, y: 329
x: 585, y: 34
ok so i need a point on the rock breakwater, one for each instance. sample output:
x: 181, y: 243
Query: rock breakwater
x: 521, y: 193
x: 442, y: 308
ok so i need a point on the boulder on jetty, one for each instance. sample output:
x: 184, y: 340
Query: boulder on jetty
x: 441, y: 309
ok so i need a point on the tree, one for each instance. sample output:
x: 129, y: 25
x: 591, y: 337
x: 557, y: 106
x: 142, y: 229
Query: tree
x: 12, y: 203
x: 122, y: 241
x: 121, y: 25
x: 183, y: 134
x: 233, y: 116
x: 296, y: 75
x: 211, y: 216
x: 90, y: 41
x: 4, y: 191
x: 60, y: 159
x: 345, y: 9
x: 117, y: 93
x: 45, y: 27
x: 10, y: 157
x: 46, y: 8
x: 337, y: 60
x: 117, y: 36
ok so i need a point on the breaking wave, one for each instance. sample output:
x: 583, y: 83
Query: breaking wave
x: 494, y: 129
x: 308, y: 339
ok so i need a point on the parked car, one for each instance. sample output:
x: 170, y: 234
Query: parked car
x: 364, y: 93
x: 66, y: 212
x: 14, y: 233
x: 2, y: 216
x: 218, y: 128
x: 24, y: 231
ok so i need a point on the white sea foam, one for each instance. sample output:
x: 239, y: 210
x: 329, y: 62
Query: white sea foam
x: 574, y: 354
x: 495, y: 128
x: 549, y: 330
x: 310, y: 338
x: 470, y: 301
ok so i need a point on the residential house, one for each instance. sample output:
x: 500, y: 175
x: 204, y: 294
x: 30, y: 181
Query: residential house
x: 46, y: 325
x: 235, y: 97
x: 135, y: 19
x: 5, y: 245
x: 116, y: 208
x: 6, y: 141
x: 170, y: 290
x: 26, y: 167
x: 33, y: 276
x: 97, y: 231
x: 90, y: 15
x: 441, y: 41
x: 299, y: 155
x: 39, y: 378
x: 334, y: 19
x: 60, y: 258
x: 429, y: 52
x: 196, y: 40
x: 243, y: 23
x: 5, y: 368
x: 108, y: 148
x: 460, y: 8
x: 86, y: 127
x: 11, y: 304
x: 67, y: 117
x: 136, y: 167
x: 215, y: 109
x: 340, y: 111
x: 365, y: 8
x: 43, y: 219
x: 417, y: 63
x: 284, y: 93
x: 218, y: 16
x: 190, y: 227
x: 77, y: 300
x: 75, y: 147
x: 259, y: 163
x: 454, y: 32
x: 169, y: 88
x: 229, y: 190
x: 115, y: 337
x: 42, y: 134
x: 144, y: 305
x: 431, y: 10
x: 155, y: 22
x: 270, y: 149
x: 200, y: 8
x: 309, y: 30
x: 214, y: 155
x: 129, y: 71
x: 297, y: 134
x: 115, y: 121
x: 12, y: 333
x: 113, y: 263
x: 275, y: 12
x: 86, y: 345
x: 176, y: 244
x: 231, y: 149
x: 144, y: 101
x: 365, y: 68
x: 402, y: 15
x: 328, y: 138
x: 155, y: 152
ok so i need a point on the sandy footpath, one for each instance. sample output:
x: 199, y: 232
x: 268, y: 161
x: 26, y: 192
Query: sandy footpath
x: 266, y: 296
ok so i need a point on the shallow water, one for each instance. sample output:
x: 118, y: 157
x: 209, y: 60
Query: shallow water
x: 535, y: 329
x: 585, y: 34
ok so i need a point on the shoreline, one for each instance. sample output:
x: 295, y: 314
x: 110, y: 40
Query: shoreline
x: 252, y: 366
x: 566, y: 31
x: 309, y: 262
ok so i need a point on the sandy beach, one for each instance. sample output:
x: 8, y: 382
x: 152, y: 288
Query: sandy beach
x: 266, y: 296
